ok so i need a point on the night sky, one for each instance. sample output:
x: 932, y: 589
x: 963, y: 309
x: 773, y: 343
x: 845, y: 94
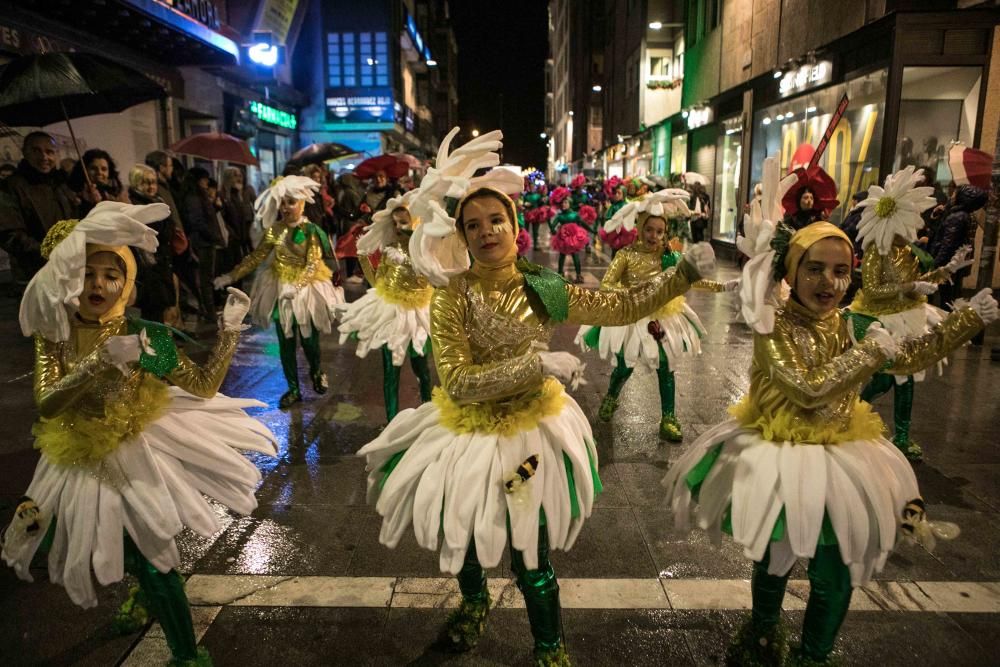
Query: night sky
x: 502, y: 47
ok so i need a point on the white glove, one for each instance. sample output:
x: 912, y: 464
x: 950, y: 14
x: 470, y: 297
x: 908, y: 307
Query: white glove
x: 885, y: 341
x: 923, y: 287
x: 120, y: 351
x: 961, y: 259
x: 731, y: 285
x: 564, y: 367
x: 702, y: 257
x: 984, y: 304
x: 237, y: 307
x: 222, y: 282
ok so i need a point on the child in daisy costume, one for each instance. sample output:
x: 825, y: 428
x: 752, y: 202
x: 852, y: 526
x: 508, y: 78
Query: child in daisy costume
x: 296, y: 287
x: 895, y: 285
x: 394, y: 314
x: 501, y: 450
x: 802, y: 470
x: 657, y: 341
x: 131, y: 431
x: 620, y: 237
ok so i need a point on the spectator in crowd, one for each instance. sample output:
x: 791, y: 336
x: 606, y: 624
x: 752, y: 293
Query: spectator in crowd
x: 701, y: 212
x: 157, y: 286
x: 379, y: 192
x: 237, y: 210
x: 33, y: 199
x: 201, y: 226
x: 320, y: 210
x: 103, y: 185
x: 348, y: 209
x: 7, y: 170
x: 957, y: 228
x: 67, y: 165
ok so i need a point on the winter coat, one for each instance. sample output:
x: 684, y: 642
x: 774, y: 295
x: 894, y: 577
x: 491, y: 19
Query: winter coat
x: 30, y: 203
x: 958, y: 226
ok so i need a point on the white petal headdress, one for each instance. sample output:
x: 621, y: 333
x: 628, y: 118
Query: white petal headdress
x: 894, y: 210
x: 54, y: 292
x: 654, y: 204
x: 382, y: 231
x: 269, y: 201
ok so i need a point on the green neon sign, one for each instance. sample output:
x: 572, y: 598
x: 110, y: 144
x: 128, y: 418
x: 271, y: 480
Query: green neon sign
x: 273, y: 116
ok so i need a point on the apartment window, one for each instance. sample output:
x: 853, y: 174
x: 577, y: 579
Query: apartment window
x: 659, y: 67
x: 357, y: 59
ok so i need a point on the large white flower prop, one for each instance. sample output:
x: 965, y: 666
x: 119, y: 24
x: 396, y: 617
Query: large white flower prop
x: 269, y: 201
x: 894, y: 210
x: 54, y: 292
x: 760, y: 294
x: 662, y: 203
x: 436, y: 249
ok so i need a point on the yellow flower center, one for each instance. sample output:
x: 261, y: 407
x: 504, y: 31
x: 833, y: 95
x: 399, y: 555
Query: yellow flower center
x: 885, y: 207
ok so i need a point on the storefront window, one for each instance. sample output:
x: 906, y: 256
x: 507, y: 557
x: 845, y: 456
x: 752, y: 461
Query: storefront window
x: 852, y: 156
x: 938, y: 105
x: 729, y: 149
x: 678, y: 154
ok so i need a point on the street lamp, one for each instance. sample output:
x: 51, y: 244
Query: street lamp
x: 475, y: 133
x: 778, y: 74
x: 543, y: 135
x: 432, y: 63
x: 596, y: 88
x: 655, y: 25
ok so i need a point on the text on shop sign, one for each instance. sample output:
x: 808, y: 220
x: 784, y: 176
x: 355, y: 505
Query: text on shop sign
x: 805, y: 77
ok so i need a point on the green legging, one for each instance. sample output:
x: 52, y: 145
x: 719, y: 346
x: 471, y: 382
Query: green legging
x: 902, y: 402
x: 539, y: 588
x: 289, y: 362
x: 576, y: 263
x: 664, y: 376
x: 390, y: 379
x: 534, y: 235
x: 829, y: 598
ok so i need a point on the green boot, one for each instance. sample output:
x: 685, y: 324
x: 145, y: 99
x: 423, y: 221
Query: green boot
x: 132, y: 616
x: 902, y: 411
x: 911, y: 450
x: 203, y: 660
x: 466, y: 624
x: 750, y: 648
x: 670, y: 428
x: 552, y: 657
x: 608, y: 407
x: 798, y: 659
x: 289, y: 398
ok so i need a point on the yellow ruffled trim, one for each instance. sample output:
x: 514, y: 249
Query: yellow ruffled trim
x: 901, y: 304
x: 503, y: 418
x: 673, y: 307
x: 411, y: 299
x: 865, y: 425
x: 72, y: 439
x: 297, y: 274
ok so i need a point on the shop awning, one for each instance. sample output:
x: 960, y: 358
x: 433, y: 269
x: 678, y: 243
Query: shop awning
x: 148, y: 26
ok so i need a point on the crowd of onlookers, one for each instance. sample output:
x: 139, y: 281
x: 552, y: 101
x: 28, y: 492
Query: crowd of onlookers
x: 210, y: 228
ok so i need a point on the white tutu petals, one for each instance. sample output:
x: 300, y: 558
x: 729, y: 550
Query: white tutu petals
x: 862, y: 486
x: 150, y: 486
x: 310, y: 307
x: 452, y: 485
x: 378, y: 322
x: 682, y: 335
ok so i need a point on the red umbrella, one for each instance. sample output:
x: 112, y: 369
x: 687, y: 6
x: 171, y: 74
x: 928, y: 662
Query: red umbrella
x: 969, y: 165
x: 392, y: 165
x: 216, y: 146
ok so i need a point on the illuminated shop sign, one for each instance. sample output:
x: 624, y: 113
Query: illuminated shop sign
x: 418, y: 41
x: 699, y: 117
x: 273, y: 116
x: 362, y: 105
x: 805, y: 77
x: 203, y: 11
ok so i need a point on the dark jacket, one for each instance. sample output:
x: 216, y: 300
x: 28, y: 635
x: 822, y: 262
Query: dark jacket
x: 958, y: 226
x: 155, y: 282
x: 849, y: 225
x: 200, y: 220
x: 237, y: 211
x: 166, y: 195
x: 800, y: 218
x: 30, y: 203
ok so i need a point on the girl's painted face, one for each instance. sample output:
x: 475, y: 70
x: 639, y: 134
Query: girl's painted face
x: 402, y: 221
x: 291, y: 210
x: 824, y: 275
x: 103, y: 282
x: 489, y: 232
x: 99, y: 170
x: 654, y: 231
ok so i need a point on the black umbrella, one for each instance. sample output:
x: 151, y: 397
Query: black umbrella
x: 41, y: 89
x: 319, y: 153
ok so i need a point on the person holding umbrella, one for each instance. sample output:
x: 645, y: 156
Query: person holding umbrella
x: 296, y: 289
x: 101, y: 182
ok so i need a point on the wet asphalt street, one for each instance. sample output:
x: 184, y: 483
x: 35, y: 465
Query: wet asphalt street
x: 304, y: 580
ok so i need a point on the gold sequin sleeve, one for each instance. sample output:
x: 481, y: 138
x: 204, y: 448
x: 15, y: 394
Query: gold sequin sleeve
x: 204, y: 381
x: 254, y: 259
x: 880, y: 286
x: 621, y: 307
x: 55, y: 391
x: 367, y: 269
x: 616, y: 271
x: 710, y: 286
x: 919, y: 353
x: 784, y: 360
x: 937, y: 276
x: 463, y: 379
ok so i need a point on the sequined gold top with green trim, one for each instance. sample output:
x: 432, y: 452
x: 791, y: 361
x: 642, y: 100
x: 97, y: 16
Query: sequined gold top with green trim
x: 486, y: 323
x: 806, y: 375
x: 395, y: 280
x: 883, y: 278
x: 637, y: 263
x: 87, y: 407
x: 297, y: 261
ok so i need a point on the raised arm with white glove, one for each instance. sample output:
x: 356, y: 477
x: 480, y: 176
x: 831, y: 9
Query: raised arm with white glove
x: 702, y: 256
x: 222, y: 282
x: 961, y: 259
x: 564, y: 367
x: 983, y: 303
x: 885, y: 341
x: 922, y: 287
x: 237, y: 307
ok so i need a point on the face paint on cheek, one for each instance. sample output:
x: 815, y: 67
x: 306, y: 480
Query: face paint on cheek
x: 841, y: 284
x: 503, y: 228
